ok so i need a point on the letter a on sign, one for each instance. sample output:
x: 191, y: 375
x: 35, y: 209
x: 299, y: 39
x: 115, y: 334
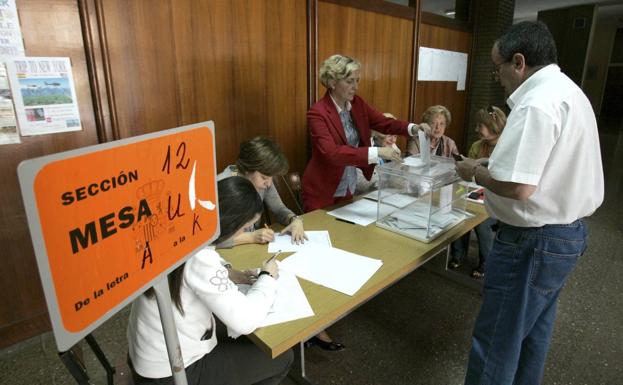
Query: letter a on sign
x: 94, y: 213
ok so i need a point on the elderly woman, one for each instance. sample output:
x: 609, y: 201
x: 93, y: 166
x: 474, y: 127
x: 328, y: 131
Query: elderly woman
x: 261, y: 159
x: 438, y: 118
x: 339, y: 125
x: 489, y: 124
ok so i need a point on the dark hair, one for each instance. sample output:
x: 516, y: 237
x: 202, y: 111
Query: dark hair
x: 263, y: 155
x: 532, y: 39
x: 238, y: 203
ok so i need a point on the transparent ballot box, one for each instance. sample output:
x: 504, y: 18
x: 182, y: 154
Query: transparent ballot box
x: 418, y: 199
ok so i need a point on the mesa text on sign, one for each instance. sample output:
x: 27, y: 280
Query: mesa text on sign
x: 115, y: 218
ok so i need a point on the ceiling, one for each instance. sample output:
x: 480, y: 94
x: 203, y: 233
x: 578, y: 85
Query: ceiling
x: 526, y: 9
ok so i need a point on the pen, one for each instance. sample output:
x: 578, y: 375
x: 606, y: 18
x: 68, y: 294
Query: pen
x: 344, y: 220
x: 274, y: 256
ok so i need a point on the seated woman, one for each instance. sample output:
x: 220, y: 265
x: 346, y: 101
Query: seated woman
x: 339, y: 125
x: 489, y: 124
x: 438, y: 118
x: 259, y: 160
x: 201, y: 288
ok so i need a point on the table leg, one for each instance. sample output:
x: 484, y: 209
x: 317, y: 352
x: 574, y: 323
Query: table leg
x: 439, y: 265
x: 297, y: 373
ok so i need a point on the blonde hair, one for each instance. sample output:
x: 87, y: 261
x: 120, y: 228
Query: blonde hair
x: 493, y: 118
x: 337, y: 67
x: 432, y: 111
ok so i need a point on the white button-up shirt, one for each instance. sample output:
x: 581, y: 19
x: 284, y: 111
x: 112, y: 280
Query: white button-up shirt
x: 550, y: 141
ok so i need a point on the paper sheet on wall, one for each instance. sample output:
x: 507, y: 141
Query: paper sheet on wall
x: 11, y: 45
x: 8, y: 123
x: 284, y: 242
x: 442, y: 65
x: 44, y: 95
x: 333, y: 268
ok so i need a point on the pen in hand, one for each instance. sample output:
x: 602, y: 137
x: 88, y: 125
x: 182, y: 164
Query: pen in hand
x: 269, y: 234
x: 271, y: 267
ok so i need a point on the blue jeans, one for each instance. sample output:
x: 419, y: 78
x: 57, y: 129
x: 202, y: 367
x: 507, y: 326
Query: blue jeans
x: 526, y: 270
x: 484, y: 234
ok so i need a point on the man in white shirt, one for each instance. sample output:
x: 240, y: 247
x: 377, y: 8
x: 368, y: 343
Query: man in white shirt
x: 543, y: 177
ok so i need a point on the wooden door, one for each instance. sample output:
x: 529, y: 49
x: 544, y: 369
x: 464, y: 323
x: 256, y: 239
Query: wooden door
x: 49, y: 28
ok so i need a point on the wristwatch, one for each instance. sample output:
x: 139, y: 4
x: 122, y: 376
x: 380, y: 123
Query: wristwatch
x: 296, y: 217
x: 264, y: 272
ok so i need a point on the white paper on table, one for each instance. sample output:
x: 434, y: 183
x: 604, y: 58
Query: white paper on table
x: 290, y: 300
x: 374, y: 195
x: 333, y: 268
x: 391, y: 197
x: 284, y: 242
x: 362, y: 212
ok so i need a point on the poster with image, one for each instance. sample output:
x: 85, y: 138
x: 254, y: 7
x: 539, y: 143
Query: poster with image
x: 44, y: 95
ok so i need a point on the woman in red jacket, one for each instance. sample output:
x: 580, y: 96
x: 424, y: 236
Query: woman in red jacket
x: 339, y: 125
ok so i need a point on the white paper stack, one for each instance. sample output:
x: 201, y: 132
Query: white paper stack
x: 334, y: 268
x: 361, y: 212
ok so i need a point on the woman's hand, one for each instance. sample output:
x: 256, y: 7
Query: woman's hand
x: 271, y: 267
x: 389, y: 153
x: 426, y: 128
x: 295, y: 228
x: 263, y: 235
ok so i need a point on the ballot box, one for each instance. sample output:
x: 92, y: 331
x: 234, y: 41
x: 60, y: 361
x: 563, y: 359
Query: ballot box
x: 420, y: 198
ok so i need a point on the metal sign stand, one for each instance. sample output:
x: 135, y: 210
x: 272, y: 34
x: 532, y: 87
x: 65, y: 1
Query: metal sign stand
x: 76, y: 366
x: 165, y: 307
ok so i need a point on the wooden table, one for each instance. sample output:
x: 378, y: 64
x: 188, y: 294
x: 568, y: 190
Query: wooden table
x: 400, y: 255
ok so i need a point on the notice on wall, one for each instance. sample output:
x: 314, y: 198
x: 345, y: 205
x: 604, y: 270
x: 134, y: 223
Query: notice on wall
x: 107, y: 221
x: 442, y: 65
x: 11, y: 45
x: 44, y: 95
x: 8, y: 123
x: 11, y: 42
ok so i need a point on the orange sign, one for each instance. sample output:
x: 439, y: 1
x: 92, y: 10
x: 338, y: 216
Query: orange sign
x: 115, y: 218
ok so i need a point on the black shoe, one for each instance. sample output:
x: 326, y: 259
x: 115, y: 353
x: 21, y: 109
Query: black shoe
x: 324, y: 345
x: 454, y: 264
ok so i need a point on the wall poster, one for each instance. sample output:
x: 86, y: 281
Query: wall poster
x: 44, y: 95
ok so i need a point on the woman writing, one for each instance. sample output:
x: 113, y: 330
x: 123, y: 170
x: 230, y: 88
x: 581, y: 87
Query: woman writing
x: 201, y: 288
x: 260, y: 159
x: 339, y: 125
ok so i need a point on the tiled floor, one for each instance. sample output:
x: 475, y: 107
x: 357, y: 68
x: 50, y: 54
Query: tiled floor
x: 418, y: 331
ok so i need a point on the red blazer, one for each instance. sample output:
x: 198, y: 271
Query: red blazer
x: 331, y: 152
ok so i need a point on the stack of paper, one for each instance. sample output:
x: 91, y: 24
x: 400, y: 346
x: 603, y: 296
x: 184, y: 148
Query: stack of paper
x: 391, y: 197
x: 362, y: 212
x: 334, y: 268
x: 284, y: 242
